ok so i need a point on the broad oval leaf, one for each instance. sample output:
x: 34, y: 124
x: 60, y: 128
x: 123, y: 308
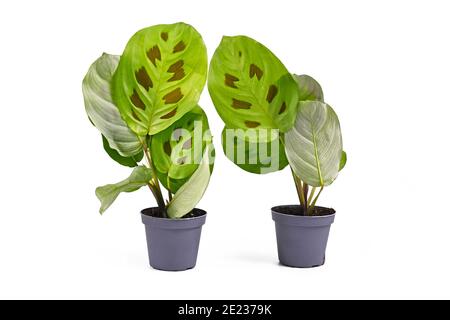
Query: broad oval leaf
x: 314, y: 144
x: 101, y: 110
x: 160, y: 76
x: 192, y: 191
x: 256, y: 151
x: 308, y: 88
x: 177, y: 151
x: 131, y: 161
x: 250, y: 87
x: 107, y: 194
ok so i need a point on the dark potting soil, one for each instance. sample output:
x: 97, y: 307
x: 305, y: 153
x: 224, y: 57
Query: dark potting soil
x: 298, y: 211
x: 156, y: 212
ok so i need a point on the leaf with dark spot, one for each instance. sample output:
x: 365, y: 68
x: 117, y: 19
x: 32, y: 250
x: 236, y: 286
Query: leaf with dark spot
x: 239, y: 104
x: 176, y: 143
x: 264, y: 84
x: 176, y: 66
x: 251, y: 124
x: 143, y: 78
x: 255, y: 70
x: 170, y: 114
x: 179, y: 47
x: 273, y: 90
x: 173, y: 97
x: 177, y: 70
x: 178, y: 75
x: 230, y: 80
x: 282, y: 108
x: 154, y: 54
x: 163, y: 80
x: 167, y: 148
x: 136, y: 100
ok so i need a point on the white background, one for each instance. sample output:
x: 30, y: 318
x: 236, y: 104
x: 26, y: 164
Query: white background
x: 384, y: 67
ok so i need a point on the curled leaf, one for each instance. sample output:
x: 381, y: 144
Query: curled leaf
x: 192, y: 191
x: 102, y: 111
x: 107, y: 194
x: 308, y: 88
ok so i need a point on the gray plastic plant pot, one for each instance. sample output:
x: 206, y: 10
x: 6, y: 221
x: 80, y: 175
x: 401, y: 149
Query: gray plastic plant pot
x: 302, y: 240
x: 173, y: 243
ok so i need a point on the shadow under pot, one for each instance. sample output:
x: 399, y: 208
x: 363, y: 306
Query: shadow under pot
x: 302, y: 240
x: 173, y: 243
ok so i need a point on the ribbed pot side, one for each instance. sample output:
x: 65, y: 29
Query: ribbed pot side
x: 173, y: 243
x: 301, y: 240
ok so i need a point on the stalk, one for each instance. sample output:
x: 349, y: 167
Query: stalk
x: 154, y: 184
x: 301, y: 192
x: 299, y: 188
x: 311, y: 195
x: 313, y: 204
x: 305, y: 195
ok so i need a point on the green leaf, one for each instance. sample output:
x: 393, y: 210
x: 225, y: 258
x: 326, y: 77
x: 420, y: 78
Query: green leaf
x: 131, y: 161
x: 255, y: 151
x: 250, y: 87
x: 343, y: 161
x: 107, y: 194
x: 192, y: 191
x: 101, y: 110
x: 160, y: 77
x: 178, y: 150
x: 309, y: 88
x: 314, y: 144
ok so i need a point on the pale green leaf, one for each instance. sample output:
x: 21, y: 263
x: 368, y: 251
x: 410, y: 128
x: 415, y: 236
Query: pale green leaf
x: 250, y: 87
x: 160, y: 76
x: 192, y: 191
x: 101, y: 110
x: 308, y: 88
x: 314, y: 144
x: 107, y: 194
x: 131, y: 161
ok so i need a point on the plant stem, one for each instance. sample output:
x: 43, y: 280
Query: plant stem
x: 313, y: 204
x: 305, y: 195
x: 298, y: 185
x: 311, y: 195
x: 302, y: 192
x: 154, y: 184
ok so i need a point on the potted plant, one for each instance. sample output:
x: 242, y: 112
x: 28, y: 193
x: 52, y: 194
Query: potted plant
x: 274, y: 119
x: 144, y: 103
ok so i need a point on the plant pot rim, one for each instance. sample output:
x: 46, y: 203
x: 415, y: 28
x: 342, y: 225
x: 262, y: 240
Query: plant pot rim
x: 202, y: 214
x: 301, y: 221
x: 168, y: 223
x: 276, y: 210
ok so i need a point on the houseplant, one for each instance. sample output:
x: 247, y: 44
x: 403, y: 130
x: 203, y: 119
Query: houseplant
x: 274, y: 119
x: 144, y: 103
